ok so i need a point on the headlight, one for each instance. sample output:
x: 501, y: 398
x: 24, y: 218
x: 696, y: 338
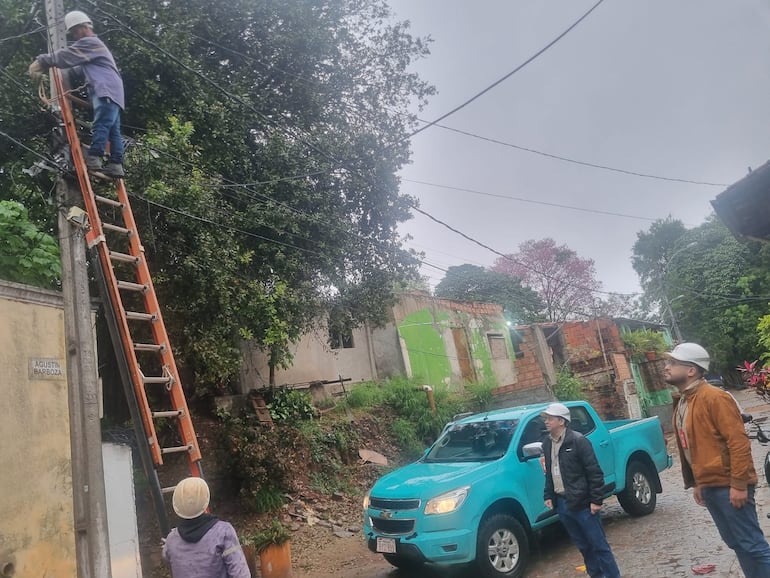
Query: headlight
x: 448, y: 502
x: 366, y: 501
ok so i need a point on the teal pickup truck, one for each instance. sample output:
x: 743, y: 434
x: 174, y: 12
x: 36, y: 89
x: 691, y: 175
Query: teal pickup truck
x: 477, y: 493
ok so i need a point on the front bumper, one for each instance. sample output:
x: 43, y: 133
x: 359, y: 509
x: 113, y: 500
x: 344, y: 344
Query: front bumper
x: 453, y: 546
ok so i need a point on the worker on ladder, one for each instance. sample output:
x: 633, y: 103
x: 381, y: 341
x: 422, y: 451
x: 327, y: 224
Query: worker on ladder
x: 104, y: 84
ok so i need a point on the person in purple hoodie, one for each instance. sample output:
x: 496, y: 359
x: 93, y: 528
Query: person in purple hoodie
x: 105, y: 86
x: 202, y: 546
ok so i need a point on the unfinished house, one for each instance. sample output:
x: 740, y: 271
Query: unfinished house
x: 595, y: 352
x: 434, y: 340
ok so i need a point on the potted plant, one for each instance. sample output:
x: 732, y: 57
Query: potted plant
x: 644, y: 344
x: 273, y: 546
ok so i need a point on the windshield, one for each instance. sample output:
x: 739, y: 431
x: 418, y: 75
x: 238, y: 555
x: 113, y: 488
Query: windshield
x: 473, y: 442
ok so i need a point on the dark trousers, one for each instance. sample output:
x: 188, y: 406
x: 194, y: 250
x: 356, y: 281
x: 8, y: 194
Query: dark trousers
x: 740, y: 530
x: 586, y: 531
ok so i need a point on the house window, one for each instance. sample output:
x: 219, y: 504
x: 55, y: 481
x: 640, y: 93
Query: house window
x: 516, y: 340
x: 341, y: 339
x: 497, y: 346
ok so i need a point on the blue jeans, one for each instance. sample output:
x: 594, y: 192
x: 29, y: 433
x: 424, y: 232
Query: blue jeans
x: 740, y: 530
x: 106, y: 127
x: 587, y: 533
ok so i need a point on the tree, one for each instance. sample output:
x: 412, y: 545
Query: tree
x: 267, y: 141
x: 29, y: 255
x: 564, y: 281
x: 474, y: 283
x: 652, y: 253
x: 715, y: 286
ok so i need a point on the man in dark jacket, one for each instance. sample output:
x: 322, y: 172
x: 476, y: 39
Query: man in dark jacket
x: 105, y: 86
x: 574, y: 484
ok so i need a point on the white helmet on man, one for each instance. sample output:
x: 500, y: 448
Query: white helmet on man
x: 557, y: 410
x: 76, y: 18
x: 191, y: 498
x: 690, y: 353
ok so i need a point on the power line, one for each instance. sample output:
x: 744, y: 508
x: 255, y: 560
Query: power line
x: 511, y: 259
x: 575, y: 161
x: 532, y: 201
x: 508, y: 75
x: 312, y: 83
x: 23, y: 34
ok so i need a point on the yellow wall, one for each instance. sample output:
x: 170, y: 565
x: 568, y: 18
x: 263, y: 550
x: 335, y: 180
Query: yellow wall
x: 36, y: 534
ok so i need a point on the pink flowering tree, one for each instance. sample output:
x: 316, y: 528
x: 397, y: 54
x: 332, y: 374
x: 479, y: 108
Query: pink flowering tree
x: 564, y: 281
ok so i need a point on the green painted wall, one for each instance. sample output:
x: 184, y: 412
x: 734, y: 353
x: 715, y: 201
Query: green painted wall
x: 427, y: 354
x: 423, y: 333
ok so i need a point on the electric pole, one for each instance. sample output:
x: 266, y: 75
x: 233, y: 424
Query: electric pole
x: 89, y: 501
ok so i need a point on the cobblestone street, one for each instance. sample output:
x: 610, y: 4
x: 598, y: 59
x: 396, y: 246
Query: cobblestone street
x: 666, y: 544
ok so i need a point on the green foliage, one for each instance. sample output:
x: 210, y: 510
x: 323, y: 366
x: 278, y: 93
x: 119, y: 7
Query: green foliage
x: 266, y: 190
x: 568, y: 387
x: 274, y: 535
x: 365, y: 395
x: 261, y: 462
x: 474, y: 283
x: 405, y: 434
x: 29, y: 255
x: 480, y: 395
x: 714, y: 286
x: 291, y: 405
x: 640, y: 341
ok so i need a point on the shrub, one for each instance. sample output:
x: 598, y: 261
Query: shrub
x: 290, y: 405
x: 568, y: 387
x: 640, y: 341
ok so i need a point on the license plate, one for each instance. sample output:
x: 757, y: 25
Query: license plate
x: 386, y: 545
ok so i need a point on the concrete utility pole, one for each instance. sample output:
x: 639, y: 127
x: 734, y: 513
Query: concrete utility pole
x: 89, y: 501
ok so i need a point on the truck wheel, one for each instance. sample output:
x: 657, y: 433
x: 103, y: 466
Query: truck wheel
x: 402, y: 562
x: 639, y: 497
x: 502, y: 548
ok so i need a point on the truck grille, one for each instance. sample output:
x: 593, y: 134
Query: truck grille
x: 391, y: 526
x: 385, y: 504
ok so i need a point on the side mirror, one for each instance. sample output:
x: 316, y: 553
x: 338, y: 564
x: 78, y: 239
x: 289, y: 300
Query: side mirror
x: 533, y: 450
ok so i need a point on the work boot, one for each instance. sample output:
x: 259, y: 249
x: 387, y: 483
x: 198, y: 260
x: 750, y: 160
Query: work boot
x: 93, y: 163
x: 114, y: 170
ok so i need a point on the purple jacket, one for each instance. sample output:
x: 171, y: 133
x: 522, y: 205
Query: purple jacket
x: 218, y: 554
x: 98, y: 66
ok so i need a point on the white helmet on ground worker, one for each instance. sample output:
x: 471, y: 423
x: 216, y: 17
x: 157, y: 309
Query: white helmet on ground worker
x: 557, y: 410
x: 76, y: 18
x: 191, y: 498
x: 690, y: 353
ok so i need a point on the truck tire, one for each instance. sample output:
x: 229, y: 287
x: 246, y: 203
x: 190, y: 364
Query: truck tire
x: 403, y: 562
x: 638, y: 498
x: 502, y: 547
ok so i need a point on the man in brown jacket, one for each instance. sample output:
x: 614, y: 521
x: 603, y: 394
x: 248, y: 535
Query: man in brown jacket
x: 716, y: 457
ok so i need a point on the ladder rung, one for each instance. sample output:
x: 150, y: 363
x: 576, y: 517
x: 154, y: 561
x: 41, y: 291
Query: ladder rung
x: 128, y: 286
x: 106, y: 201
x: 174, y: 413
x: 137, y: 316
x: 116, y: 228
x: 168, y: 490
x: 164, y: 379
x: 148, y: 347
x: 115, y: 256
x: 177, y: 449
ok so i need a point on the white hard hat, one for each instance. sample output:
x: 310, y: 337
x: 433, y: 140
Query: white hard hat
x: 690, y: 353
x: 557, y: 410
x: 191, y: 498
x: 76, y: 18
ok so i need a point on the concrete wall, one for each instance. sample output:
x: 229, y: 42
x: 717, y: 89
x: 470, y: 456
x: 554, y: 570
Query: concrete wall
x: 315, y: 360
x: 449, y: 342
x: 37, y: 534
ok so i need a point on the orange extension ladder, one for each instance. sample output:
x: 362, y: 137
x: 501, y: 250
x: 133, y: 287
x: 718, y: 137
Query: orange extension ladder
x: 134, y: 317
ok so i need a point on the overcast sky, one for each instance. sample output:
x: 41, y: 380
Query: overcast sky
x: 675, y: 88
